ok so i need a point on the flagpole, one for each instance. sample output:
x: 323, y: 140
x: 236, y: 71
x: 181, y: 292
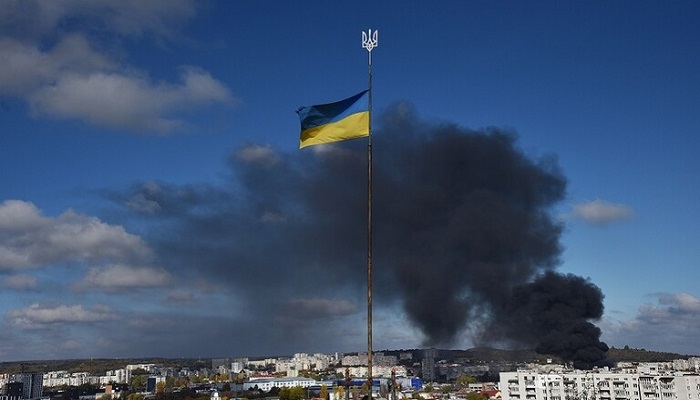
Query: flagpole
x: 369, y: 42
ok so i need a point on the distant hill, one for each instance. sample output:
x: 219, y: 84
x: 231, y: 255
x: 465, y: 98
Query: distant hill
x: 642, y: 355
x: 96, y: 366
x: 491, y: 355
x: 472, y: 356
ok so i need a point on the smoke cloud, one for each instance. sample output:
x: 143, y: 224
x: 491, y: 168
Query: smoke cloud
x: 466, y: 241
x: 554, y: 312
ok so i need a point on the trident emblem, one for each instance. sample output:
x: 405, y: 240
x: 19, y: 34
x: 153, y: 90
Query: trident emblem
x: 370, y: 39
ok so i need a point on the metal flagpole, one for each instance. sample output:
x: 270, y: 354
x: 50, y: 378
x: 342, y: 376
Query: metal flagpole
x: 369, y: 42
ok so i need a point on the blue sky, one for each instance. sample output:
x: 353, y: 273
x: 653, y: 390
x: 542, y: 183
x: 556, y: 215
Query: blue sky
x: 129, y: 132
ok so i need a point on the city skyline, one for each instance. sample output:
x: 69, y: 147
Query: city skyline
x: 153, y: 199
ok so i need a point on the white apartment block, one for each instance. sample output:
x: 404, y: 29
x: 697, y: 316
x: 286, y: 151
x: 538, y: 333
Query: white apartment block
x: 599, y: 385
x: 262, y: 363
x: 266, y: 384
x: 303, y: 361
x: 65, y: 378
x: 378, y: 358
x: 378, y: 371
x: 150, y: 368
x: 60, y: 378
x: 116, y: 376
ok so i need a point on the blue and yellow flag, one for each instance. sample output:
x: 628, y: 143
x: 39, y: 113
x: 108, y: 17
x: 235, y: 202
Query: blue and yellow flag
x: 326, y: 123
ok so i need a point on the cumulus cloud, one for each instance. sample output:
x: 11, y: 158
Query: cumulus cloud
x: 21, y: 282
x: 75, y: 79
x: 665, y: 323
x: 131, y: 102
x: 26, y: 68
x: 29, y: 239
x: 17, y: 217
x: 38, y: 316
x: 601, y: 213
x: 260, y: 155
x: 114, y: 278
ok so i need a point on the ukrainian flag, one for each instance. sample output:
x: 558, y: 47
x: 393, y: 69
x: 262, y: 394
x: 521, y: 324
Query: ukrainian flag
x: 326, y: 123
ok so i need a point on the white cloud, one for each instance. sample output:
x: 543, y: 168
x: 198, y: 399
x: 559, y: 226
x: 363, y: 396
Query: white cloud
x: 28, y: 239
x: 666, y: 324
x: 264, y: 156
x: 21, y: 282
x: 18, y: 217
x: 131, y: 102
x: 600, y: 212
x: 25, y: 68
x: 119, y: 277
x: 74, y: 80
x: 37, y: 316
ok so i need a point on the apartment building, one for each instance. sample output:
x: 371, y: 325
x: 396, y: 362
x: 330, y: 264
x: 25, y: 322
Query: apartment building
x: 32, y: 384
x: 598, y: 385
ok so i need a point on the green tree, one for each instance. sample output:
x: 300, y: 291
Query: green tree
x: 87, y: 386
x: 465, y: 380
x: 364, y: 390
x: 135, y: 396
x: 297, y: 393
x: 476, y: 396
x: 284, y: 393
x: 181, y: 382
x: 138, y: 382
x: 339, y: 392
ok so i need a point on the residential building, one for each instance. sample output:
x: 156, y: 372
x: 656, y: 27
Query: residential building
x: 599, y: 385
x: 377, y: 371
x: 428, y: 365
x: 265, y: 384
x: 32, y: 384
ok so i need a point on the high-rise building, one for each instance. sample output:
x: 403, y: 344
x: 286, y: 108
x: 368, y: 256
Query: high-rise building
x: 32, y: 384
x: 428, y: 365
x: 13, y: 390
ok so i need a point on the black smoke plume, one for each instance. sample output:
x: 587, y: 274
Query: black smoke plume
x: 470, y: 219
x: 466, y: 240
x: 554, y: 312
